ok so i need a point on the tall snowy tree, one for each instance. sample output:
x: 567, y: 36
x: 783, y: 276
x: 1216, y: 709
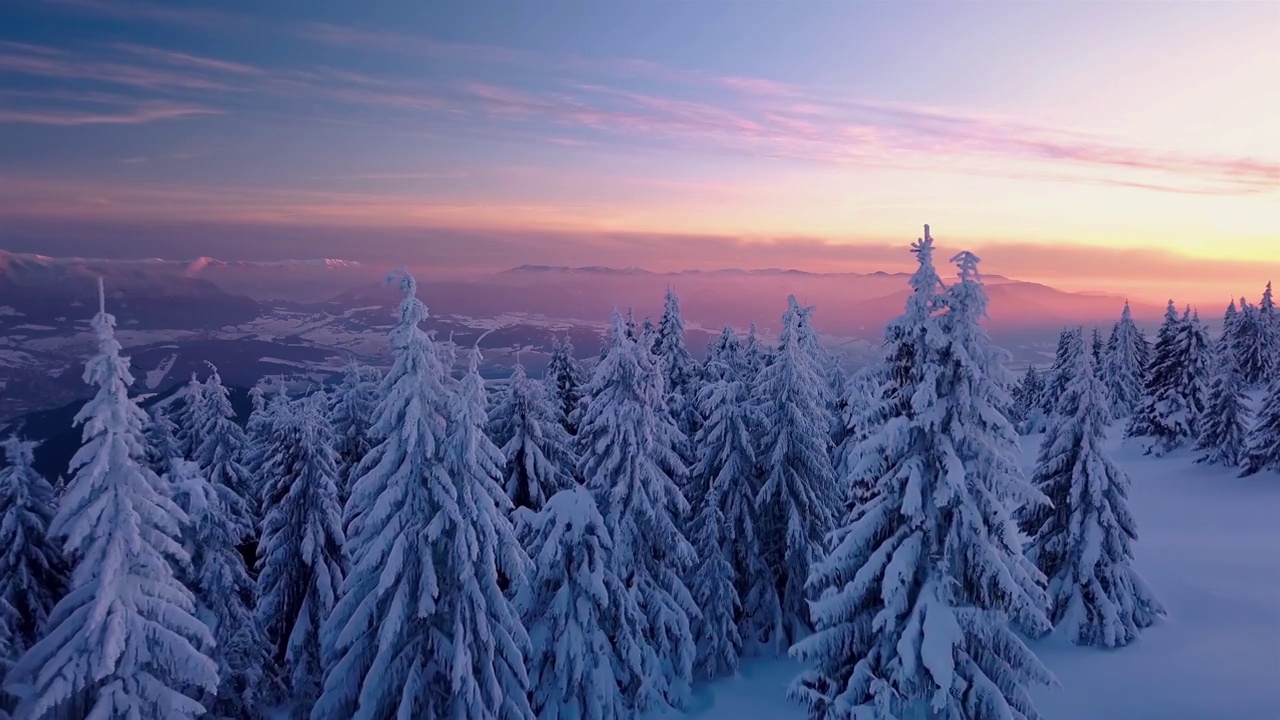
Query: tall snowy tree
x: 799, y: 492
x: 301, y: 560
x: 724, y: 352
x: 220, y: 451
x: 857, y: 415
x: 1269, y: 328
x: 731, y: 584
x: 628, y: 454
x: 1225, y: 425
x: 538, y: 453
x: 1263, y: 451
x: 421, y: 629
x: 188, y: 416
x: 755, y: 354
x: 1124, y: 365
x: 248, y: 685
x: 1060, y: 373
x: 1174, y: 396
x: 680, y: 371
x: 586, y: 631
x: 1251, y: 345
x: 1096, y: 349
x: 33, y: 572
x: 161, y: 437
x: 124, y: 642
x: 925, y: 584
x: 351, y: 415
x: 1083, y: 541
x: 564, y: 380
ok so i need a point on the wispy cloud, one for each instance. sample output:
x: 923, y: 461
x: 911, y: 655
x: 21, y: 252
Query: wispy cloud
x: 179, y: 58
x: 152, y: 12
x: 144, y: 113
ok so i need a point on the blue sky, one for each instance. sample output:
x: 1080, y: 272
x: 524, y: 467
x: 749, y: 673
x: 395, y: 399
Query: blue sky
x: 611, y: 132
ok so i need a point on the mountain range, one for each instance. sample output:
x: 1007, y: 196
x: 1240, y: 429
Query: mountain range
x: 304, y: 318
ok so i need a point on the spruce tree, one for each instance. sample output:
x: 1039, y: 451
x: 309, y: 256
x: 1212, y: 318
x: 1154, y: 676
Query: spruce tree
x: 160, y: 436
x: 1269, y: 330
x: 1096, y: 348
x: 248, y: 684
x: 1083, y: 541
x: 724, y: 352
x: 220, y: 451
x: 1174, y: 395
x: 1060, y: 373
x: 798, y: 494
x: 124, y: 642
x: 731, y: 584
x: 1263, y: 451
x: 537, y: 452
x: 351, y: 414
x: 628, y: 457
x: 1250, y: 345
x: 421, y: 629
x: 33, y: 572
x: 680, y: 371
x: 925, y: 585
x: 1124, y: 365
x: 301, y: 561
x: 755, y: 354
x: 585, y: 629
x: 491, y: 681
x: 188, y: 417
x: 564, y: 379
x: 857, y: 411
x: 1225, y: 425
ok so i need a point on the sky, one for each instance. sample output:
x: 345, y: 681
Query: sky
x: 1115, y: 145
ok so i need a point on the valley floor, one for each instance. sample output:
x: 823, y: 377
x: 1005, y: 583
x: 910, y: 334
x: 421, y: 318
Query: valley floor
x: 1209, y: 545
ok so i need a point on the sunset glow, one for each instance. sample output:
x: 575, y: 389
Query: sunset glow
x: 1104, y: 146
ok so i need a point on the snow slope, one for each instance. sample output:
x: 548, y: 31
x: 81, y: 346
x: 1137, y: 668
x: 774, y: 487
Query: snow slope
x: 1209, y: 545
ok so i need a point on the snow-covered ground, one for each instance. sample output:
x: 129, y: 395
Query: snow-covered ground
x: 1209, y: 545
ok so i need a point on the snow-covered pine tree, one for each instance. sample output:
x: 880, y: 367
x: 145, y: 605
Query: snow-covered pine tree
x: 247, y: 680
x: 564, y: 380
x: 681, y: 375
x: 188, y: 417
x: 1269, y: 328
x: 351, y: 414
x: 1083, y: 542
x: 1263, y: 452
x: 1229, y: 319
x: 220, y: 451
x: 1197, y: 354
x: 755, y: 354
x: 731, y: 584
x: 1096, y: 349
x: 538, y: 452
x: 1250, y: 345
x: 626, y: 440
x: 160, y: 436
x: 1026, y: 414
x: 1124, y: 365
x: 648, y: 337
x: 124, y: 642
x: 857, y: 411
x: 922, y: 583
x: 585, y: 629
x: 491, y: 681
x: 1060, y: 373
x: 799, y: 494
x: 1224, y: 426
x: 1167, y: 412
x: 724, y: 352
x: 422, y: 629
x: 301, y: 560
x: 33, y: 572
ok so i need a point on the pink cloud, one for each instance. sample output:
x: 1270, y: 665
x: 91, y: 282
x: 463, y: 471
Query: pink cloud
x: 178, y: 58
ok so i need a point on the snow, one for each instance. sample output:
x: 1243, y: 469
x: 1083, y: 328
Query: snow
x: 157, y: 375
x: 1206, y: 545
